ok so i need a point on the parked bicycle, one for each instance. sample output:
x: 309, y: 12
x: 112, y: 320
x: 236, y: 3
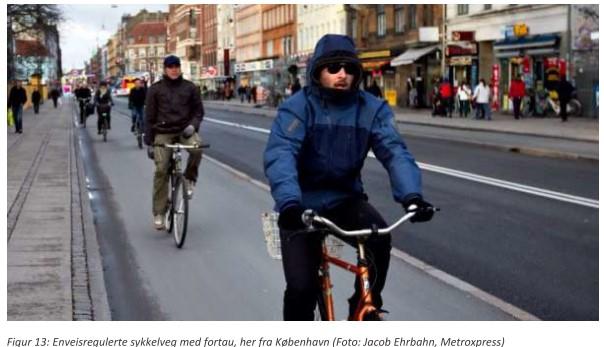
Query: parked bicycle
x: 177, y: 217
x: 330, y: 250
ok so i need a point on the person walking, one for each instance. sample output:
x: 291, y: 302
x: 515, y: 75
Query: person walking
x: 565, y: 92
x: 463, y: 95
x: 35, y: 100
x: 375, y: 89
x: 481, y: 98
x: 54, y: 95
x: 446, y: 96
x: 253, y: 92
x: 517, y: 93
x: 296, y: 86
x: 16, y: 99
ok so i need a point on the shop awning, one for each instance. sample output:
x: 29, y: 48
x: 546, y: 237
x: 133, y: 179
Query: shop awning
x: 533, y: 41
x: 412, y: 54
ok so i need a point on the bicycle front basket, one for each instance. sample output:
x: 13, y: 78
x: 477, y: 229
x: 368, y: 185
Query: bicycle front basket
x: 271, y: 234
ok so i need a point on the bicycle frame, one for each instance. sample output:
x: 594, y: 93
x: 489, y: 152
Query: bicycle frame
x: 361, y: 271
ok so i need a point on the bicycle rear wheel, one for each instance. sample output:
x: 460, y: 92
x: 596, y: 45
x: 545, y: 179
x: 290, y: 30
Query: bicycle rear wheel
x: 180, y: 214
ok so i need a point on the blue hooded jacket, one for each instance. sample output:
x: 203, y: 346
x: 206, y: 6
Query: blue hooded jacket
x: 317, y: 147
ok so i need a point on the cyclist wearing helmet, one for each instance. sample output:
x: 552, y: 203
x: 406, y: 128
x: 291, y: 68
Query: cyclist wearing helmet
x: 313, y: 160
x: 173, y: 112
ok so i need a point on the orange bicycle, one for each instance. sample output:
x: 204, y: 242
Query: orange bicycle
x: 365, y: 309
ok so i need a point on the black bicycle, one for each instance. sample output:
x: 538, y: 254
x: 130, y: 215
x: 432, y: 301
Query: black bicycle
x: 104, y: 110
x: 83, y: 102
x: 177, y: 217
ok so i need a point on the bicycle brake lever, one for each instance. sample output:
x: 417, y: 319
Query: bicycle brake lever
x: 307, y: 217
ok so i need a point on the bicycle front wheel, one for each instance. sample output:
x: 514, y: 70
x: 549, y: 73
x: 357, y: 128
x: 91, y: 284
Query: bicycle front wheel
x: 105, y: 126
x: 180, y: 214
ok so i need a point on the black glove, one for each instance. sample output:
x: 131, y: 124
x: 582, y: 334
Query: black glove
x: 291, y: 218
x: 423, y: 211
x: 151, y: 152
x: 188, y: 132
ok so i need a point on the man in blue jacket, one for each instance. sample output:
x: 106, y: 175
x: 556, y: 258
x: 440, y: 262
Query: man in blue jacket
x: 313, y: 160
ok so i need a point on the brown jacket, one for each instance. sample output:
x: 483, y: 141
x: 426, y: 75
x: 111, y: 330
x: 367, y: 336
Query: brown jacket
x: 170, y: 106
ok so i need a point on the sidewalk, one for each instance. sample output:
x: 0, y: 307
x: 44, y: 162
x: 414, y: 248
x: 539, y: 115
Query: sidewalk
x: 535, y: 136
x: 53, y: 264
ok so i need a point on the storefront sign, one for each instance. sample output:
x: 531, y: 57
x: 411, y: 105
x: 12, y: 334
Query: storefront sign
x: 467, y: 49
x: 254, y: 66
x: 462, y: 36
x: 521, y: 30
x: 495, y: 82
x: 375, y: 54
x: 373, y: 65
x: 460, y: 61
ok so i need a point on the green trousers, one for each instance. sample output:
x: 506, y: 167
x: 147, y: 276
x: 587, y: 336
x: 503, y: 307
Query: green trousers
x: 162, y: 163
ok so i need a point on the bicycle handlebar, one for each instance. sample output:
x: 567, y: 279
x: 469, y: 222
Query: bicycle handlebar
x: 181, y: 146
x: 309, y: 217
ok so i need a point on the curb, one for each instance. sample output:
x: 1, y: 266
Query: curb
x: 96, y: 281
x: 538, y: 152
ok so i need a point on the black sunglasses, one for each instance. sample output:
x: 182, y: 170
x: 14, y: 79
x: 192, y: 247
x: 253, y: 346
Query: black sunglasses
x: 334, y: 68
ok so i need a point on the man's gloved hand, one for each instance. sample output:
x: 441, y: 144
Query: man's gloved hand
x: 291, y: 218
x: 189, y: 131
x: 151, y: 152
x: 423, y: 211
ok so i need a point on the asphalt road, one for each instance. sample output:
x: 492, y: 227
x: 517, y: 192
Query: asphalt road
x: 533, y: 252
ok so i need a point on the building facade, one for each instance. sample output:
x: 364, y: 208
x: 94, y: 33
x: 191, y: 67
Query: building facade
x: 184, y: 38
x: 312, y: 22
x: 530, y: 41
x: 145, y: 49
x: 225, y: 39
x: 209, y: 43
x: 399, y: 49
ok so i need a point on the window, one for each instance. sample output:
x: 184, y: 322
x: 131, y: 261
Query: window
x: 488, y: 7
x: 141, y: 52
x: 462, y: 9
x: 269, y: 48
x: 381, y: 20
x: 412, y: 16
x: 131, y: 40
x: 151, y: 39
x: 399, y: 18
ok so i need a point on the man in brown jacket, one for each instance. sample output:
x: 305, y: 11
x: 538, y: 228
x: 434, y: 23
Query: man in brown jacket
x: 173, y: 114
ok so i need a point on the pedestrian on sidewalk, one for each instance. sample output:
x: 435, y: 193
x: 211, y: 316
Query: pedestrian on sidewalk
x: 16, y: 99
x: 565, y: 92
x: 446, y: 96
x: 241, y: 93
x: 464, y: 94
x: 253, y: 92
x: 35, y: 100
x: 296, y: 86
x: 54, y: 95
x: 481, y: 98
x: 375, y: 89
x: 248, y: 93
x: 517, y: 93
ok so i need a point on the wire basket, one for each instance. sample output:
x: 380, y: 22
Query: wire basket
x: 273, y: 241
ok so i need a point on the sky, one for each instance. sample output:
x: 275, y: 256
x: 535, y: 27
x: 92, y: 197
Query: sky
x: 87, y: 25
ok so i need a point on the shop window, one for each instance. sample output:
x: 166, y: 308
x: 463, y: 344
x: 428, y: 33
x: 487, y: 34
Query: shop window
x: 488, y: 7
x: 353, y: 26
x: 399, y: 18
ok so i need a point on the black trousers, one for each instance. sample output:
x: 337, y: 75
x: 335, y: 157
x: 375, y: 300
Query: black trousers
x: 563, y: 113
x: 54, y: 101
x: 516, y: 102
x: 36, y: 107
x: 302, y: 256
x: 99, y: 120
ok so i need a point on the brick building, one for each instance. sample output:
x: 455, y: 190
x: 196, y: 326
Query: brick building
x: 184, y: 38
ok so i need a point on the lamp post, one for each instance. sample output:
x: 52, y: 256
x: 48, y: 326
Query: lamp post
x: 444, y: 41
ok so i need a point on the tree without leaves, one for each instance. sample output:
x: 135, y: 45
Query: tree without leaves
x: 29, y: 19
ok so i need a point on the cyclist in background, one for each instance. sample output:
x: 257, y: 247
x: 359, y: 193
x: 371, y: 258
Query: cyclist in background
x: 82, y: 93
x: 136, y: 102
x: 103, y: 102
x: 313, y: 160
x: 173, y: 113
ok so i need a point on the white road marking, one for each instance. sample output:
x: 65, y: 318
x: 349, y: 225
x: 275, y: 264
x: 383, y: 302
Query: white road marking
x: 440, y: 275
x: 577, y: 200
